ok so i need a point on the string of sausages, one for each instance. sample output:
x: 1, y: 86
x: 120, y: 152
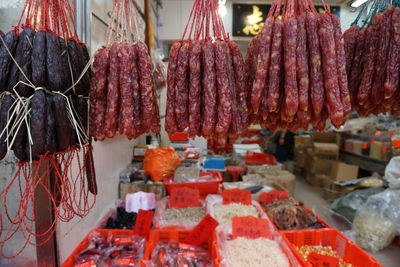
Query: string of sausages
x: 373, y: 61
x: 206, y: 83
x: 122, y: 96
x: 296, y: 69
x: 44, y: 84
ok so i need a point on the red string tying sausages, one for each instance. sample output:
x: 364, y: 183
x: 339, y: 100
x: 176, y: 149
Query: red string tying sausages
x: 44, y: 84
x: 206, y: 94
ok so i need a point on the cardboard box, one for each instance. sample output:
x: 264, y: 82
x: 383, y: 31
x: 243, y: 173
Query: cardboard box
x: 357, y: 146
x: 157, y: 188
x: 376, y: 150
x: 300, y: 171
x: 343, y: 172
x: 318, y: 179
x: 326, y: 137
x: 300, y: 158
x: 316, y: 165
x: 330, y: 194
x: 328, y: 149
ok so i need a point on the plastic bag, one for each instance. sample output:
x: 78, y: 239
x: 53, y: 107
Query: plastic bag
x: 392, y: 172
x: 174, y: 254
x: 270, y: 251
x: 187, y: 218
x: 348, y: 204
x: 160, y: 163
x: 186, y: 174
x: 378, y: 220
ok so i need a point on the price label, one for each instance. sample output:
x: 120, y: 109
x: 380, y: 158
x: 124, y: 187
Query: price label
x: 250, y: 227
x: 239, y: 196
x: 143, y: 223
x: 202, y: 231
x: 384, y: 148
x: 396, y: 143
x: 319, y: 260
x: 184, y: 197
x: 364, y: 146
x: 378, y: 133
x: 391, y: 134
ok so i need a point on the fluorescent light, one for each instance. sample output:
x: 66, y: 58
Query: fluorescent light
x: 358, y: 3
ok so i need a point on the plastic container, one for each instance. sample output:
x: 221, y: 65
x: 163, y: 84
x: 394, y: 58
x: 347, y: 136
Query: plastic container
x: 204, y: 187
x: 346, y: 249
x: 165, y: 235
x: 215, y: 164
x: 70, y: 261
x: 179, y: 137
x: 253, y: 158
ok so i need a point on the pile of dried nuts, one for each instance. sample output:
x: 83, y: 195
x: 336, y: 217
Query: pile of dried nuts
x: 306, y: 250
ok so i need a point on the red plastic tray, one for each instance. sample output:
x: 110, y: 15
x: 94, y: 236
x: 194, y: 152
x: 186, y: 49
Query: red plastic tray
x: 179, y: 137
x: 205, y: 187
x: 253, y: 158
x: 350, y: 252
x: 70, y: 261
x: 166, y: 235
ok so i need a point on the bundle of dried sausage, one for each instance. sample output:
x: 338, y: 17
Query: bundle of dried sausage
x: 123, y: 98
x: 373, y: 61
x: 300, y: 69
x: 206, y: 84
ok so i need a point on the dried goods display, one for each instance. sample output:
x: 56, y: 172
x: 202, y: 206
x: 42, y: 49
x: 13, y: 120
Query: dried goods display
x: 289, y: 214
x: 111, y: 249
x: 206, y: 93
x: 305, y: 252
x: 44, y: 84
x: 122, y: 95
x: 175, y: 254
x: 373, y: 60
x: 224, y: 213
x: 242, y: 251
x: 296, y: 69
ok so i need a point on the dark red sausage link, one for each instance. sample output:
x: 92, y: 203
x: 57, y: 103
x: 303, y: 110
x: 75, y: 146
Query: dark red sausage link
x: 393, y: 63
x: 316, y: 80
x: 64, y: 132
x: 50, y: 138
x: 210, y: 90
x: 113, y: 93
x: 39, y: 74
x: 275, y: 67
x: 6, y: 110
x: 240, y: 80
x: 370, y: 51
x: 289, y: 44
x: 195, y: 88
x: 54, y: 68
x: 137, y: 124
x: 182, y: 88
x: 224, y: 89
x: 350, y: 42
x: 377, y: 94
x: 355, y: 74
x: 146, y: 83
x: 341, y: 66
x: 126, y: 57
x: 38, y: 122
x: 263, y: 62
x: 329, y: 69
x: 98, y: 94
x: 170, y: 123
x: 10, y: 41
x: 303, y: 80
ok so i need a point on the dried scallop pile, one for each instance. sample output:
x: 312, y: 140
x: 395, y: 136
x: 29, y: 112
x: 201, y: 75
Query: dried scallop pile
x: 224, y: 213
